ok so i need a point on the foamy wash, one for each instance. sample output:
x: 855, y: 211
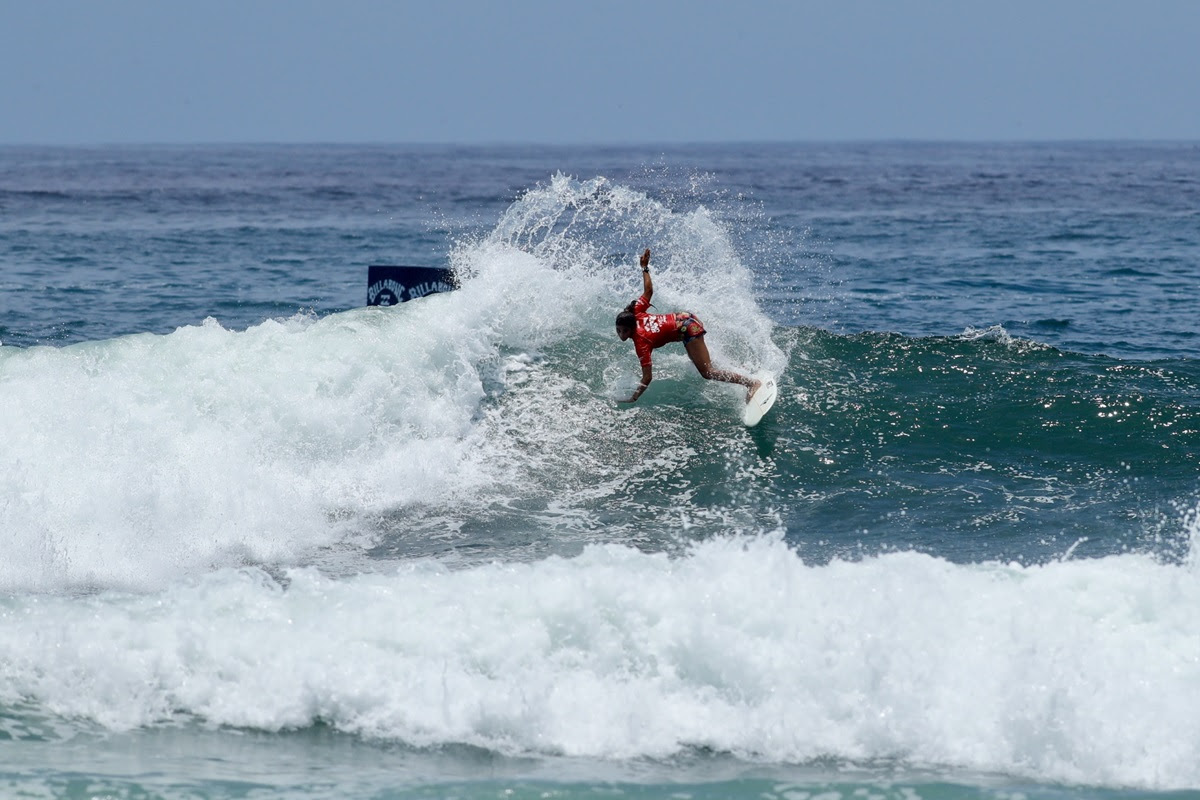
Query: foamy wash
x: 420, y: 551
x: 738, y: 646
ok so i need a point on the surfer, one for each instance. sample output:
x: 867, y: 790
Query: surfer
x: 651, y: 331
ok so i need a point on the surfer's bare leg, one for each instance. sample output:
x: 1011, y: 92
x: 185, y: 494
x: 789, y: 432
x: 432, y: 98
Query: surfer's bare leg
x: 697, y: 350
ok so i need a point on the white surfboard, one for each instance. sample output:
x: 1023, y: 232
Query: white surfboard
x: 761, y: 401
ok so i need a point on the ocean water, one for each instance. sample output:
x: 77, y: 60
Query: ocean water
x: 261, y: 541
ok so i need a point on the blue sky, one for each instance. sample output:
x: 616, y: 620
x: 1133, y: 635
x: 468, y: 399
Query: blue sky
x: 564, y: 71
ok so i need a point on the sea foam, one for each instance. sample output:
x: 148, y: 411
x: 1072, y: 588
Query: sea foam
x: 1078, y: 671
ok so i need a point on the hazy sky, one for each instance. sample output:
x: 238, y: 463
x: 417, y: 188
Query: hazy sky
x: 98, y: 71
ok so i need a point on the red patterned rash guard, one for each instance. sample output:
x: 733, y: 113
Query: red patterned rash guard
x: 655, y: 330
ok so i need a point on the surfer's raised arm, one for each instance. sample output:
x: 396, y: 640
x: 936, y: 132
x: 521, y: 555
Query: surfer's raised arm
x: 647, y: 284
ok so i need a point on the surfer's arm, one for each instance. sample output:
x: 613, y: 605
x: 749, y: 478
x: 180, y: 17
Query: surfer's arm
x: 647, y: 376
x: 647, y: 284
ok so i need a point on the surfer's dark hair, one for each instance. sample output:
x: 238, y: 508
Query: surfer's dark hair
x: 626, y: 319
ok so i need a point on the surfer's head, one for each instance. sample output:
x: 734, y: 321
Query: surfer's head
x: 626, y: 325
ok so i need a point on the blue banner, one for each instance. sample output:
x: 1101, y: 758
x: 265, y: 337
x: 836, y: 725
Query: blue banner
x: 389, y: 285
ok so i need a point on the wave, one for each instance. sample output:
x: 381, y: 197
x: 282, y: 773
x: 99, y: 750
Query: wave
x: 481, y: 423
x: 1082, y: 671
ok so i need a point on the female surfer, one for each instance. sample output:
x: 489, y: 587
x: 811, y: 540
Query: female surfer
x: 651, y: 331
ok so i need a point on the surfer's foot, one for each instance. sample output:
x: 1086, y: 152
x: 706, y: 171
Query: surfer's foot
x: 753, y: 388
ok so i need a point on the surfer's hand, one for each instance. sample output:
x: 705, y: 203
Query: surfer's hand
x: 646, y: 258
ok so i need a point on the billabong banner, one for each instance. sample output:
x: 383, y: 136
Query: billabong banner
x: 389, y: 285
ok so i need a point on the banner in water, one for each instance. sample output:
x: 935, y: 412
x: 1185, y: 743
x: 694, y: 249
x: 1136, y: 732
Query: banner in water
x: 389, y: 285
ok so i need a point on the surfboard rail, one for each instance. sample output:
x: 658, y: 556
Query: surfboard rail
x: 761, y: 401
